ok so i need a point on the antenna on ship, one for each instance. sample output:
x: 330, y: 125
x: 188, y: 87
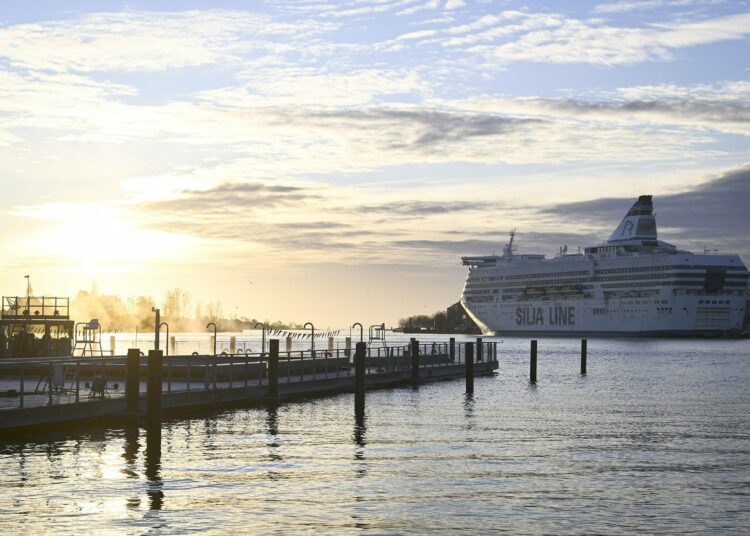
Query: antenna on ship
x: 509, y: 249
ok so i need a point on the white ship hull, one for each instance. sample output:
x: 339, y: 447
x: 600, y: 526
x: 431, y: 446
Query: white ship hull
x: 622, y: 318
x: 632, y: 285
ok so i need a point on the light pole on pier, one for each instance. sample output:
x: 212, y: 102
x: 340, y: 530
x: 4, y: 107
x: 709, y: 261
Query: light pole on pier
x: 263, y: 339
x: 215, y: 330
x: 312, y: 337
x: 167, y: 326
x: 361, y: 331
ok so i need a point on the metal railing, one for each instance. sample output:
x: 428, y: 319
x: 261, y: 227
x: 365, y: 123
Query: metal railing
x: 34, y: 382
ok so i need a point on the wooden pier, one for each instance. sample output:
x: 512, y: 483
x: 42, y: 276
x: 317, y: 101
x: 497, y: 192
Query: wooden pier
x: 64, y: 392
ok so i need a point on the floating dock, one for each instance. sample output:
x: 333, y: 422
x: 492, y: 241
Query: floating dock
x: 41, y: 393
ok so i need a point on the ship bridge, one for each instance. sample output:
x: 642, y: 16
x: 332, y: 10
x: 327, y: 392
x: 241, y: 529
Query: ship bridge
x: 486, y: 260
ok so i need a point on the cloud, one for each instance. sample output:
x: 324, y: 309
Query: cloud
x: 517, y: 36
x: 147, y: 41
x: 722, y: 106
x: 642, y: 5
x: 282, y: 86
x: 528, y: 241
x: 416, y: 35
x: 232, y: 198
x: 424, y: 128
x: 712, y: 214
x: 623, y: 7
x: 418, y: 209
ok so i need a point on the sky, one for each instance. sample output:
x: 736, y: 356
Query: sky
x: 331, y: 162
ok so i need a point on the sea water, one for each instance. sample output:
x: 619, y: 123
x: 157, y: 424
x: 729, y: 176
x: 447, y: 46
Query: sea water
x: 655, y: 439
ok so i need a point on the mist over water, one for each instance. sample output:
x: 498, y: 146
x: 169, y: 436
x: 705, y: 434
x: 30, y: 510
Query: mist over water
x: 656, y: 438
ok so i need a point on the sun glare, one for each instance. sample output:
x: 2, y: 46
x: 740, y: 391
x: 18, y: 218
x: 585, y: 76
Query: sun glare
x: 96, y: 240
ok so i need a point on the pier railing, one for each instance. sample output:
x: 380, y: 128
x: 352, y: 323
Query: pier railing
x: 38, y: 382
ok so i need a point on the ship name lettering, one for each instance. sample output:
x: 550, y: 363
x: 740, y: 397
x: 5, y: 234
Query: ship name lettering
x: 529, y: 316
x: 562, y: 316
x: 556, y: 316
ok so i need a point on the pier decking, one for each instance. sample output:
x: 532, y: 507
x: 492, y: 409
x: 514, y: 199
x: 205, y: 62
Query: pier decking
x: 38, y: 393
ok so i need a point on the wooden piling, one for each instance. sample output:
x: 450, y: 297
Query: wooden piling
x: 288, y: 343
x: 50, y: 379
x: 232, y: 344
x: 584, y: 351
x: 452, y: 348
x: 330, y: 345
x: 112, y: 345
x: 414, y: 360
x: 348, y: 347
x: 132, y: 381
x: 273, y: 368
x: 532, y: 371
x: 153, y: 390
x: 469, y: 367
x: 172, y: 345
x: 480, y: 349
x: 157, y: 328
x: 359, y: 375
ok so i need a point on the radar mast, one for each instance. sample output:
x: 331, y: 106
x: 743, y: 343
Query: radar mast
x: 508, y: 249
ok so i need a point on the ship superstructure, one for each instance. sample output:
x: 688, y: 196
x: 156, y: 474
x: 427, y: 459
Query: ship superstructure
x: 634, y: 284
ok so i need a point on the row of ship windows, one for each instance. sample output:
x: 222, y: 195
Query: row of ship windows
x: 698, y: 292
x: 602, y: 279
x: 583, y: 289
x: 552, y: 274
x: 607, y: 271
x: 638, y: 269
x: 604, y: 310
x: 477, y: 299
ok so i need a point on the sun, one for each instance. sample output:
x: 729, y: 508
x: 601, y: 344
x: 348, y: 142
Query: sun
x: 98, y: 239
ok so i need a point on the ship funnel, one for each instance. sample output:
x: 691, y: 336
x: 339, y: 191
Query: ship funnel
x: 638, y: 224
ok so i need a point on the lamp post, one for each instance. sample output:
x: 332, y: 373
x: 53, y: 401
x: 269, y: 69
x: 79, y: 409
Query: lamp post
x: 215, y: 330
x: 167, y: 326
x: 28, y: 295
x: 361, y: 331
x: 312, y: 337
x: 263, y: 339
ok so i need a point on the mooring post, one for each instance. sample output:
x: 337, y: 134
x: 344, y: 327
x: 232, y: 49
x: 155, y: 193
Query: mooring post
x: 132, y: 380
x: 232, y: 344
x: 273, y: 368
x: 480, y: 350
x: 153, y: 390
x: 452, y: 349
x: 584, y: 349
x: 157, y: 326
x: 359, y: 375
x: 172, y: 345
x: 112, y: 345
x: 288, y: 344
x: 50, y: 379
x: 532, y: 371
x: 414, y: 360
x: 469, y: 367
x: 348, y: 347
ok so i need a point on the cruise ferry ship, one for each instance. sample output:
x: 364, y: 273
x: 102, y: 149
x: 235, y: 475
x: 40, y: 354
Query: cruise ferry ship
x: 632, y: 285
